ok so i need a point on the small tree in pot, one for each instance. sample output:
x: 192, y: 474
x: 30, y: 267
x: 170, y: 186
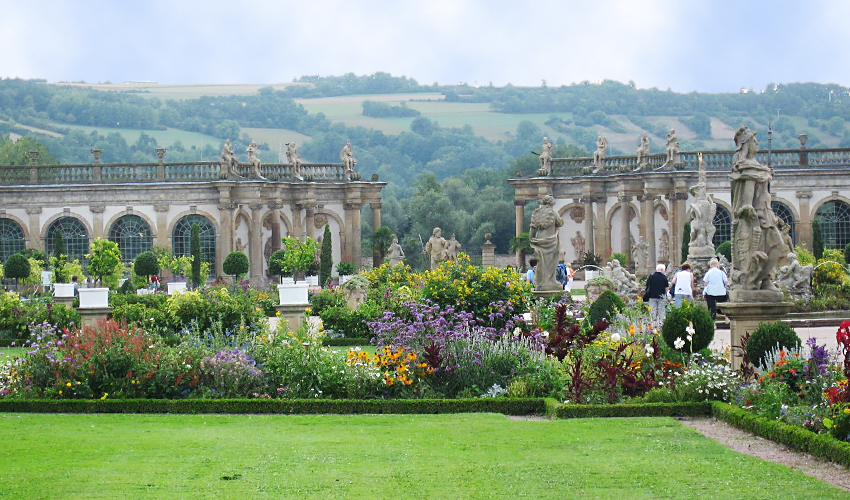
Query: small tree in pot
x: 17, y: 267
x: 146, y: 264
x: 277, y: 265
x: 299, y: 256
x: 235, y: 264
x: 104, y: 259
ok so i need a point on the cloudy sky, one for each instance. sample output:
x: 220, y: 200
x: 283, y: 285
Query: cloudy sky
x: 708, y: 46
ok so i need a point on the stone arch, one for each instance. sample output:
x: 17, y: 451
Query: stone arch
x: 21, y: 223
x: 338, y: 250
x: 609, y: 225
x: 131, y: 245
x: 834, y: 217
x: 79, y: 249
x: 13, y: 237
x: 209, y: 242
x: 722, y: 224
x: 142, y: 215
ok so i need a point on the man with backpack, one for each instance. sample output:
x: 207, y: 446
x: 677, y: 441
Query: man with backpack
x: 562, y: 275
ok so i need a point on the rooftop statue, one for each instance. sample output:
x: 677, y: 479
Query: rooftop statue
x: 642, y: 151
x: 348, y: 160
x: 546, y: 158
x: 254, y: 161
x: 294, y: 159
x: 672, y: 147
x: 599, y: 154
x: 757, y: 243
x: 228, y: 159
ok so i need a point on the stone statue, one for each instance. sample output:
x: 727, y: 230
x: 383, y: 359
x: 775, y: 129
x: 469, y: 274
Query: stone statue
x: 395, y: 254
x: 452, y: 248
x: 599, y: 154
x: 796, y: 279
x: 626, y: 282
x: 786, y: 235
x: 294, y: 159
x: 543, y: 236
x: 254, y: 161
x: 578, y: 246
x: 642, y: 151
x: 240, y: 247
x: 701, y: 211
x: 546, y: 158
x: 355, y: 290
x: 757, y: 243
x: 640, y: 254
x: 672, y: 147
x: 436, y: 248
x: 348, y: 160
x: 664, y: 247
x: 228, y: 159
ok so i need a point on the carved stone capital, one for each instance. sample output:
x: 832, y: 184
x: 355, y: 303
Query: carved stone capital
x: 599, y: 199
x: 224, y: 207
x: 33, y: 210
x: 352, y: 205
x: 97, y: 209
x: 160, y: 207
x: 376, y: 206
x: 275, y: 205
x: 520, y: 203
x: 624, y: 199
x: 255, y: 206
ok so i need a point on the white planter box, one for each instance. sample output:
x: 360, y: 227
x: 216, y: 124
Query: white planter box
x: 295, y: 293
x: 144, y: 291
x: 313, y: 280
x: 94, y: 298
x: 288, y: 280
x: 343, y: 278
x: 63, y: 289
x: 589, y: 274
x: 175, y: 287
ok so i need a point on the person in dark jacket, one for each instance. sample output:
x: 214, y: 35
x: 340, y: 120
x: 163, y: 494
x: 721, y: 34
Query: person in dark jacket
x: 656, y: 293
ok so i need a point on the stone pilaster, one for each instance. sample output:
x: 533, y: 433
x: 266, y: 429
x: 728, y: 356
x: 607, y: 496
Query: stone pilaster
x: 162, y: 236
x: 275, y: 207
x: 97, y: 220
x: 352, y: 221
x: 804, y: 233
x: 649, y: 223
x: 625, y: 229
x: 36, y: 241
x: 519, y: 206
x: 255, y: 247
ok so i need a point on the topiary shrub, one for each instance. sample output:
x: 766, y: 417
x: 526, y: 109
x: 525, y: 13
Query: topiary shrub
x: 725, y: 249
x: 146, y: 264
x: 769, y: 337
x: 605, y: 307
x: 277, y: 265
x: 17, y: 267
x: 325, y: 299
x: 235, y: 264
x: 677, y: 321
x: 326, y: 261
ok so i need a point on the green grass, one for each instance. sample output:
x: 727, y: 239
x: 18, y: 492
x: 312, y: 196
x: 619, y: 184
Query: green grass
x: 378, y: 456
x: 11, y: 352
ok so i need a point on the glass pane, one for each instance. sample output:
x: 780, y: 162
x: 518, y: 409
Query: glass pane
x: 133, y: 236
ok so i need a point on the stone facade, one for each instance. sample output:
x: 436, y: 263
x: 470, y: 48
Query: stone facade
x: 244, y: 214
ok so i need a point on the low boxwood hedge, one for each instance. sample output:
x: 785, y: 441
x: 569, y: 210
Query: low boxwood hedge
x: 631, y: 410
x: 345, y: 341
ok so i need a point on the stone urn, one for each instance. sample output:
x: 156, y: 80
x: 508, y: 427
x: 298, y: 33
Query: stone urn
x: 293, y: 293
x: 175, y: 287
x: 94, y: 298
x: 594, y: 287
x: 63, y: 290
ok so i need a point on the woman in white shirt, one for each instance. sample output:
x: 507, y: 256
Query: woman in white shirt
x: 683, y: 285
x: 715, y: 280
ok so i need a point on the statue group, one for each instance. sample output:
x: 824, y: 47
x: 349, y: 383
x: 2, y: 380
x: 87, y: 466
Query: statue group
x: 440, y: 250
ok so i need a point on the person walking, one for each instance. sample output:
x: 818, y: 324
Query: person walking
x: 683, y: 285
x: 529, y: 275
x: 561, y: 274
x: 570, y: 275
x: 656, y: 293
x: 715, y: 281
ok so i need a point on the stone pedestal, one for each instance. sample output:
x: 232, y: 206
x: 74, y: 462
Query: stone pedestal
x: 293, y: 315
x: 744, y: 317
x: 90, y: 316
x: 488, y: 254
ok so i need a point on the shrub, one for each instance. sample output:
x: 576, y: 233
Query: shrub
x: 235, y: 264
x: 326, y: 261
x: 230, y: 374
x: 605, y: 307
x: 104, y: 262
x: 847, y: 253
x: 277, y: 265
x: 725, y: 249
x: 705, y: 381
x: 324, y: 299
x: 827, y: 273
x: 621, y: 257
x: 769, y: 337
x: 17, y: 267
x: 835, y: 255
x: 146, y: 264
x: 678, y: 320
x: 804, y: 256
x: 351, y: 323
x: 345, y: 268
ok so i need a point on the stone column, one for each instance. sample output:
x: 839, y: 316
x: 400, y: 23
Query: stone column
x: 255, y: 247
x: 603, y: 239
x: 589, y: 246
x: 519, y: 206
x: 297, y: 228
x: 804, y: 233
x: 625, y: 229
x: 162, y: 236
x: 677, y: 226
x: 97, y: 220
x: 649, y: 223
x: 275, y: 207
x: 376, y: 216
x: 36, y: 241
x: 225, y: 208
x: 309, y: 219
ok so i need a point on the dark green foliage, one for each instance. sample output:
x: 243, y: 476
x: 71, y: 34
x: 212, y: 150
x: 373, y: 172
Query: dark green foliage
x: 341, y: 319
x: 195, y: 252
x: 725, y: 249
x: 605, y: 307
x: 325, y: 299
x: 17, y: 267
x: 769, y: 337
x: 631, y: 410
x: 59, y: 244
x: 817, y: 240
x: 383, y: 110
x: 127, y: 287
x: 677, y: 321
x: 345, y: 268
x: 847, y: 253
x: 591, y: 259
x: 32, y: 253
x: 345, y: 341
x: 326, y: 261
x: 235, y: 264
x: 686, y: 240
x: 17, y: 315
x: 820, y: 445
x: 59, y: 257
x: 146, y: 264
x: 276, y: 264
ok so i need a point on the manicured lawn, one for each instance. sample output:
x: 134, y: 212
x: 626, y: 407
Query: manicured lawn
x: 377, y: 456
x: 11, y: 352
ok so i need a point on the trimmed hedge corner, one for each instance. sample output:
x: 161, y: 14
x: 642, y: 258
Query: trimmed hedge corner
x: 345, y: 341
x: 819, y: 445
x: 627, y: 410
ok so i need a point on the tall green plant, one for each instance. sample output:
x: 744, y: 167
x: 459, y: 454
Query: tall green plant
x: 381, y: 240
x: 17, y: 267
x: 817, y: 240
x: 195, y: 252
x: 522, y: 245
x: 236, y: 264
x: 104, y: 259
x: 327, y: 262
x: 686, y: 240
x: 59, y: 258
x: 299, y: 255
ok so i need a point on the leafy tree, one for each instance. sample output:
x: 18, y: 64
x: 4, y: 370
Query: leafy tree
x: 817, y: 240
x: 17, y: 267
x: 228, y: 129
x: 195, y: 252
x: 299, y: 256
x: 59, y: 258
x: 17, y: 152
x: 146, y: 264
x: 381, y: 241
x: 235, y: 264
x: 277, y: 264
x: 522, y: 245
x: 104, y: 258
x: 326, y: 260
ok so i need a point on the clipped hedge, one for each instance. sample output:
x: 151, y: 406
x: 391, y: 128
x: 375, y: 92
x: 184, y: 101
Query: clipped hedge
x: 345, y: 341
x: 631, y: 410
x: 819, y: 445
x: 507, y: 406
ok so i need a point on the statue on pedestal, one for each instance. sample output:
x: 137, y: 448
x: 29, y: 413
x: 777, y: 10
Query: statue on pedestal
x: 436, y: 248
x: 228, y: 159
x: 578, y: 246
x: 348, y: 160
x: 757, y: 243
x: 599, y: 154
x: 664, y: 247
x: 395, y: 254
x: 642, y: 151
x: 702, y: 211
x: 254, y: 161
x: 294, y: 159
x: 796, y: 279
x: 543, y: 236
x: 452, y: 248
x: 672, y: 147
x: 545, y: 158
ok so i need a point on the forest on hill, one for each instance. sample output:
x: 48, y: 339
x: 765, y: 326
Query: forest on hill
x: 447, y: 176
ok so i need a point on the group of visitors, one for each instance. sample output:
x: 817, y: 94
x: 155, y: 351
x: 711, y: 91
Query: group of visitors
x: 682, y: 285
x: 564, y: 274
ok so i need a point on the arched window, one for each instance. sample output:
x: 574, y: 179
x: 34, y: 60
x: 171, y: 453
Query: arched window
x: 834, y: 219
x: 722, y: 226
x: 133, y: 236
x: 786, y: 216
x: 182, y: 235
x: 11, y: 238
x: 74, y: 235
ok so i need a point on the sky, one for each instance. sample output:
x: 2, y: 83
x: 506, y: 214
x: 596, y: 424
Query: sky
x: 705, y: 46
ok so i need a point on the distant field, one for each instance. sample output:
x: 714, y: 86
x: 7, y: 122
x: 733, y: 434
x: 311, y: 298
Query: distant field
x: 180, y: 92
x: 276, y: 138
x: 163, y: 137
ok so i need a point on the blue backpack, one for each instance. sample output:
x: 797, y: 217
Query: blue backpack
x: 561, y: 273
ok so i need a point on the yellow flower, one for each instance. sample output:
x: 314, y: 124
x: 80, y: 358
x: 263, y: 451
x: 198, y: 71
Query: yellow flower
x: 68, y: 384
x: 105, y: 394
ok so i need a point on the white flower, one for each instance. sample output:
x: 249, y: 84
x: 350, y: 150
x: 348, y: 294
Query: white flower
x: 649, y: 350
x: 679, y: 343
x: 615, y: 337
x: 690, y: 330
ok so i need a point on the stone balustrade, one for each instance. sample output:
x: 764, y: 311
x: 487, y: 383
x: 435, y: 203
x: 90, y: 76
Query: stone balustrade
x: 160, y: 172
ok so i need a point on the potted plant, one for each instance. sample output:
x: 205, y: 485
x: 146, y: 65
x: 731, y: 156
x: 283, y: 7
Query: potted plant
x: 345, y: 270
x: 277, y: 267
x: 235, y: 264
x: 146, y: 265
x: 104, y: 258
x: 297, y: 258
x: 180, y: 267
